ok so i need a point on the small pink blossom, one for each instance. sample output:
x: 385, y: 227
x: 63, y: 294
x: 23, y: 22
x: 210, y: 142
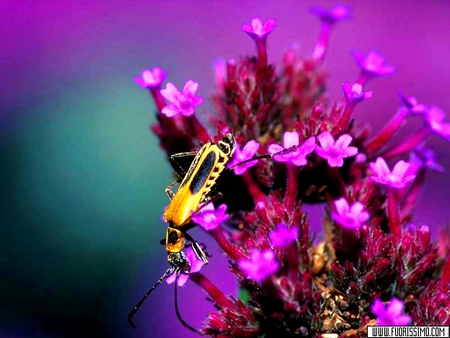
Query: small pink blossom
x: 354, y: 93
x: 423, y: 156
x: 283, y: 236
x: 396, y: 179
x: 195, y: 263
x: 373, y: 63
x: 298, y: 154
x: 151, y: 78
x: 261, y: 265
x: 257, y: 30
x: 335, y: 151
x: 392, y: 314
x: 435, y: 117
x: 249, y: 150
x: 413, y: 105
x: 209, y: 218
x: 338, y: 13
x: 181, y: 102
x: 351, y: 217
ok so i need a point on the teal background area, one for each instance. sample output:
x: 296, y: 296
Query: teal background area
x: 82, y: 177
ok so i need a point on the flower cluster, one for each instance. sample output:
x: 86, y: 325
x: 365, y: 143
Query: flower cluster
x: 294, y: 147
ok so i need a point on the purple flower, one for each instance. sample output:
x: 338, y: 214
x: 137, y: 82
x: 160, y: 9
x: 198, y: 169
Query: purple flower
x: 282, y: 236
x: 195, y: 263
x: 338, y: 13
x: 151, y: 78
x: 391, y: 314
x: 425, y: 157
x: 209, y: 218
x: 351, y: 217
x: 334, y: 152
x: 435, y: 117
x: 249, y: 150
x: 297, y: 156
x: 261, y: 265
x: 373, y: 63
x: 413, y: 105
x: 181, y: 102
x: 257, y: 30
x: 396, y: 179
x: 354, y: 93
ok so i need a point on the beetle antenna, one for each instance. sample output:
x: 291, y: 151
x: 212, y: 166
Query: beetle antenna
x: 138, y: 305
x: 177, y: 310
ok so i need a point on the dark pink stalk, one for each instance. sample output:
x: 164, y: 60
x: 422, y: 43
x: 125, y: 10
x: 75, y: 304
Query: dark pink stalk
x: 407, y: 145
x: 262, y: 56
x: 321, y: 47
x: 344, y: 120
x: 363, y: 78
x: 446, y: 272
x: 258, y: 197
x: 393, y: 213
x: 212, y: 290
x: 387, y: 132
x: 231, y: 250
x: 198, y: 129
x: 290, y: 196
x: 158, y: 98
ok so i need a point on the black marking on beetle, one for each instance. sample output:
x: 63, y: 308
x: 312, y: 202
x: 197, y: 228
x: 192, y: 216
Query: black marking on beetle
x: 202, y: 174
x: 173, y: 237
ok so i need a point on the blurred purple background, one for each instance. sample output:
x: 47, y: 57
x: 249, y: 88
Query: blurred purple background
x: 82, y: 177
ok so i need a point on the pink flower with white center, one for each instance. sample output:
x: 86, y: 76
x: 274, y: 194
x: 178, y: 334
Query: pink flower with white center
x: 413, y: 105
x: 373, y: 63
x: 349, y: 216
x: 354, y: 93
x: 338, y: 13
x: 297, y: 155
x: 435, y: 117
x: 261, y: 265
x: 183, y: 102
x: 259, y: 31
x: 396, y: 179
x: 249, y: 150
x: 151, y: 78
x: 335, y: 151
x: 195, y: 263
x: 283, y: 236
x: 209, y: 218
x: 392, y: 314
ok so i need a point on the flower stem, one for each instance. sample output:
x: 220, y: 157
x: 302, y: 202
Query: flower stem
x: 158, y: 98
x: 344, y: 120
x: 211, y: 289
x: 290, y: 196
x: 262, y: 57
x: 258, y: 197
x: 321, y: 47
x: 408, y: 144
x: 393, y: 213
x: 232, y: 251
x: 198, y: 129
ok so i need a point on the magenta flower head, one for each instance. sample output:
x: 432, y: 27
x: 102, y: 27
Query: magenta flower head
x: 257, y: 30
x: 151, y: 78
x: 335, y: 152
x: 249, y: 150
x: 426, y: 157
x: 209, y: 218
x: 338, y: 13
x: 351, y: 217
x: 183, y: 102
x: 395, y: 179
x: 297, y: 155
x: 261, y: 265
x: 392, y: 314
x: 354, y: 93
x: 413, y: 105
x: 435, y: 117
x: 373, y: 63
x: 195, y: 263
x: 283, y: 236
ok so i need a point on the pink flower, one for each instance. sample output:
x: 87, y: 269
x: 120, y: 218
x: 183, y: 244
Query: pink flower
x: 261, y: 265
x: 195, y: 263
x: 257, y: 30
x: 373, y: 63
x: 335, y: 152
x: 339, y: 12
x: 391, y: 314
x: 249, y: 150
x: 209, y: 218
x: 424, y: 156
x: 396, y: 179
x: 351, y: 217
x: 151, y: 78
x: 282, y: 236
x: 435, y: 117
x: 413, y: 105
x: 297, y: 156
x: 181, y: 102
x: 354, y: 93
